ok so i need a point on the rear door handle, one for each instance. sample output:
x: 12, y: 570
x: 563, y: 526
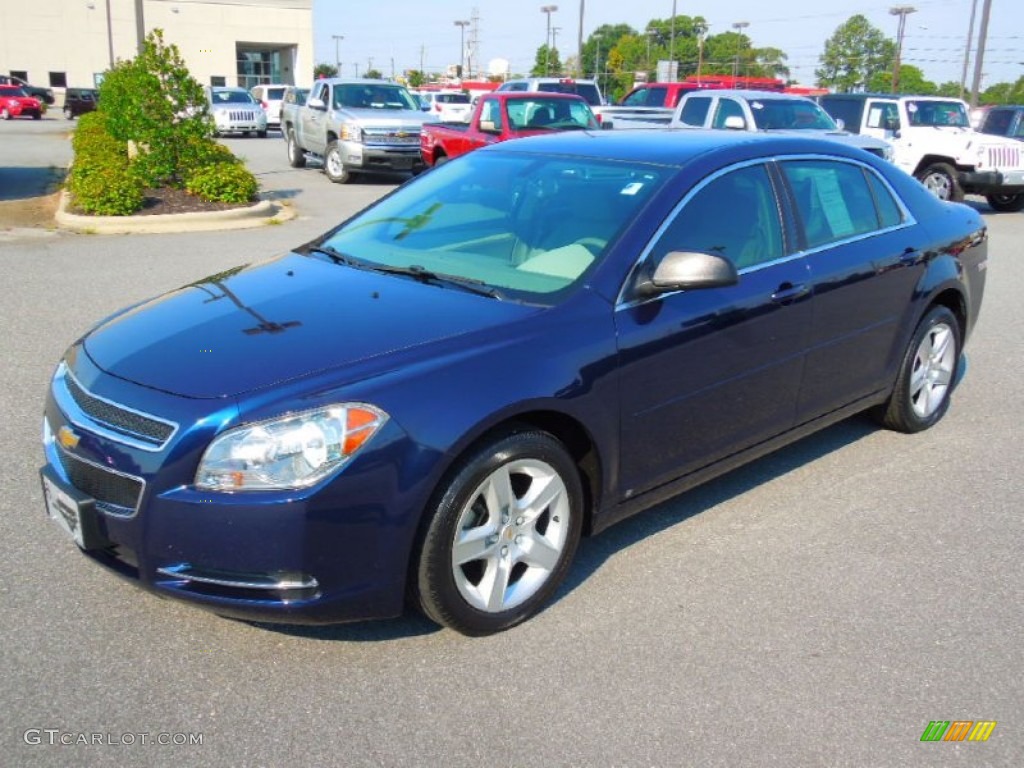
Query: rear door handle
x: 787, y: 293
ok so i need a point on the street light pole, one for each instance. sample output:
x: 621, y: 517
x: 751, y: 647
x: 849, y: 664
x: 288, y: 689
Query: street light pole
x: 462, y: 47
x: 548, y: 9
x: 580, y: 69
x: 967, y: 48
x: 902, y: 11
x: 701, y: 30
x: 597, y: 59
x: 337, y: 57
x: 979, y: 57
x: 739, y: 26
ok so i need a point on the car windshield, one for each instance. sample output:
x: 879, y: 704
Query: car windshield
x: 275, y: 94
x: 369, y: 96
x: 530, y: 227
x: 789, y: 114
x: 938, y: 113
x: 232, y: 97
x: 554, y: 114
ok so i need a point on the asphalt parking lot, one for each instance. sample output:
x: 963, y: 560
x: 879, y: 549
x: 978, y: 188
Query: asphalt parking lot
x: 817, y: 608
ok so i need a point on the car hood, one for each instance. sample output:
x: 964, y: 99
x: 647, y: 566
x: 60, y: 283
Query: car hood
x: 253, y: 327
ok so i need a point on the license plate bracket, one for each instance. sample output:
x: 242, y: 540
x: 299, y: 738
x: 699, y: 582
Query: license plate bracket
x: 72, y: 511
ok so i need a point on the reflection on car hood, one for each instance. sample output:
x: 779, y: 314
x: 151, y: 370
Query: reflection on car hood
x: 252, y: 327
x: 853, y: 139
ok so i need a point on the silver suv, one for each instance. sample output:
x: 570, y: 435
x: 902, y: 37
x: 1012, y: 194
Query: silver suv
x: 234, y: 110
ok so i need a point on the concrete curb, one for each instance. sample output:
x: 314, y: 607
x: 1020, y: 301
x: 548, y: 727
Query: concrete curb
x: 258, y: 215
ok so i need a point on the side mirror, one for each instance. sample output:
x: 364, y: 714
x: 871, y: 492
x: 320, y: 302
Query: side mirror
x: 735, y: 123
x: 688, y: 270
x: 317, y: 104
x: 488, y: 126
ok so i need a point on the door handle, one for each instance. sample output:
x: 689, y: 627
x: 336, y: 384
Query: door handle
x: 910, y: 256
x: 787, y: 293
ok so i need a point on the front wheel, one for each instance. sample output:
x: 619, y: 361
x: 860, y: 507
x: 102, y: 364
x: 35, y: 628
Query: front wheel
x: 333, y: 165
x: 1006, y: 203
x: 502, y: 535
x: 940, y: 179
x: 68, y: 114
x: 296, y: 157
x: 5, y: 114
x: 928, y: 373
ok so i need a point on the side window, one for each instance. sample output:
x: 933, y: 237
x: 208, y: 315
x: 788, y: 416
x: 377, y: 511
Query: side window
x: 637, y: 98
x: 834, y: 200
x: 889, y: 212
x: 695, y: 111
x: 884, y: 115
x: 656, y: 97
x: 726, y: 108
x: 998, y: 122
x: 490, y: 116
x: 319, y: 92
x: 734, y: 215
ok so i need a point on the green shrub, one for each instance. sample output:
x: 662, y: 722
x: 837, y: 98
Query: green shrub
x: 223, y: 183
x: 107, y: 191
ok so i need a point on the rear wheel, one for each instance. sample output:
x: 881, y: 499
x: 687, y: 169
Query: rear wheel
x: 940, y: 179
x: 262, y: 134
x: 296, y: 158
x: 1006, y: 203
x: 68, y: 114
x: 333, y: 165
x: 925, y: 382
x: 5, y: 114
x: 502, y: 536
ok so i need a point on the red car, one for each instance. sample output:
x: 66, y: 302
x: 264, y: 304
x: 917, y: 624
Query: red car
x: 14, y: 102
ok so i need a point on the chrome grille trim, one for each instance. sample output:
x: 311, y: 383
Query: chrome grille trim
x: 109, y: 419
x: 242, y: 581
x: 116, y: 493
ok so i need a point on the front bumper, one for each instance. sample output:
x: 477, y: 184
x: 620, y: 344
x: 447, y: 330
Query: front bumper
x: 370, y: 157
x: 333, y: 553
x: 992, y: 182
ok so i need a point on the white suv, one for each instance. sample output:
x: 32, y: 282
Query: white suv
x: 269, y: 96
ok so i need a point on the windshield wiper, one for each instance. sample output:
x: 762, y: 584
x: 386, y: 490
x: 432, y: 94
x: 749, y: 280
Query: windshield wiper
x: 337, y: 256
x: 415, y: 271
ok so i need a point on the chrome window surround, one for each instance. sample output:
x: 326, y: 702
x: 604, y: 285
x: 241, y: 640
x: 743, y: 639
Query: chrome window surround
x: 80, y: 418
x: 908, y: 220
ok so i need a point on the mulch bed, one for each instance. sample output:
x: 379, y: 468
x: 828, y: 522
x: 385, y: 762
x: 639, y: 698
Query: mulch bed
x: 170, y: 200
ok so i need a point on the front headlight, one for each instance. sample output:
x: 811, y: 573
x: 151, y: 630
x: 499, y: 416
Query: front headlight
x: 351, y: 132
x: 289, y: 452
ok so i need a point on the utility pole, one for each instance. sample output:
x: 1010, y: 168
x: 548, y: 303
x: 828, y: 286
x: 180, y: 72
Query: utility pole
x: 902, y: 11
x: 672, y: 45
x: 548, y: 9
x: 140, y: 25
x: 979, y: 57
x: 554, y: 39
x: 597, y: 59
x: 337, y: 58
x: 462, y: 47
x: 967, y: 47
x: 580, y: 69
x: 110, y: 36
x: 701, y: 30
x: 739, y: 26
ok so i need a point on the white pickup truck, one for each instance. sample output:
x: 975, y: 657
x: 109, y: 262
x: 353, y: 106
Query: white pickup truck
x: 933, y: 141
x: 770, y: 112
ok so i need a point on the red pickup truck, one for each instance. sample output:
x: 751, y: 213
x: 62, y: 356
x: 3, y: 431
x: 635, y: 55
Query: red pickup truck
x: 502, y: 116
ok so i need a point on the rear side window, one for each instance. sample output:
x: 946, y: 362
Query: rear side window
x: 695, y: 111
x: 835, y: 200
x: 884, y: 115
x: 889, y: 213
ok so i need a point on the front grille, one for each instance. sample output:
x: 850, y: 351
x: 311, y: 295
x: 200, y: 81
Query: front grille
x: 107, y: 488
x: 1004, y: 158
x: 242, y: 116
x: 118, y: 418
x: 393, y: 137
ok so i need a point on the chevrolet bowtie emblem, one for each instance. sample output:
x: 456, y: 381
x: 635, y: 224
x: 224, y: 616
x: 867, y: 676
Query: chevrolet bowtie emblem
x: 67, y: 438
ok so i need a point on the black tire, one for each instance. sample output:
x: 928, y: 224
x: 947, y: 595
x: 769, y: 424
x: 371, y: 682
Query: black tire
x: 37, y: 116
x: 5, y: 114
x: 262, y: 134
x: 296, y: 159
x: 334, y: 166
x: 68, y: 114
x: 441, y: 160
x: 519, y: 540
x: 1006, y: 203
x: 941, y: 180
x: 920, y: 399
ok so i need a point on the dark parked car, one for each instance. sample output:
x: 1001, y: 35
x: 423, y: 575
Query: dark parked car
x: 536, y: 340
x: 78, y: 101
x: 1004, y: 121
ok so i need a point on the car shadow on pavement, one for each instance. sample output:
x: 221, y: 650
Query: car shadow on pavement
x: 595, y: 550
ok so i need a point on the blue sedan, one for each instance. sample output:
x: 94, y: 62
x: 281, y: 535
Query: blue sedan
x: 436, y: 399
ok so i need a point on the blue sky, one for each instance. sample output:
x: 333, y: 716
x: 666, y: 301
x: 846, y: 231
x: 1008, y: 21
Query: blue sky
x: 400, y: 30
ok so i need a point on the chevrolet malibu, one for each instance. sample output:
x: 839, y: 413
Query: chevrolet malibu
x: 433, y: 402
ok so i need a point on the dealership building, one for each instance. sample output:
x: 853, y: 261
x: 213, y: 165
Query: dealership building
x: 70, y: 43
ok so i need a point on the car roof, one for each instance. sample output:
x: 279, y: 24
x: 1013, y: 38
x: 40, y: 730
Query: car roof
x: 521, y: 95
x: 673, y: 147
x: 750, y: 94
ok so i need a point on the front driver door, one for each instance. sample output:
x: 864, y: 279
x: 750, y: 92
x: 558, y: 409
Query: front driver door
x: 706, y: 373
